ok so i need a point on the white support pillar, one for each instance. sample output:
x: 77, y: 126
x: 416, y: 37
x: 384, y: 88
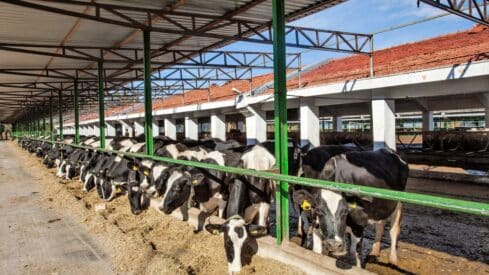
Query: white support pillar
x: 428, y: 123
x: 191, y: 128
x: 309, y: 126
x: 486, y: 117
x: 110, y: 129
x: 383, y: 124
x: 138, y: 128
x: 337, y: 123
x: 96, y: 130
x: 170, y: 128
x: 256, y: 126
x: 126, y: 129
x: 218, y: 126
x: 156, y: 128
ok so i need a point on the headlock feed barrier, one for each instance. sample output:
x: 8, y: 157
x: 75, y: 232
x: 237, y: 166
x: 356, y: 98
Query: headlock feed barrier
x: 469, y: 207
x: 29, y: 126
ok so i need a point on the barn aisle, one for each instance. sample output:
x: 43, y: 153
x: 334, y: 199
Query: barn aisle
x: 33, y: 238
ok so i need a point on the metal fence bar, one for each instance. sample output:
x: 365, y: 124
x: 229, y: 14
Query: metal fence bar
x: 60, y: 113
x: 457, y: 205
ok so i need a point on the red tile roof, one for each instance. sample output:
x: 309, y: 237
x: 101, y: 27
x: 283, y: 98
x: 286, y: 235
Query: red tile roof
x: 216, y: 93
x: 456, y: 48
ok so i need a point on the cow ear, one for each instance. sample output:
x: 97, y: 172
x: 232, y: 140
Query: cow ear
x: 196, y: 178
x: 256, y: 231
x: 146, y: 171
x: 132, y: 165
x: 305, y: 199
x: 305, y: 148
x: 214, y: 229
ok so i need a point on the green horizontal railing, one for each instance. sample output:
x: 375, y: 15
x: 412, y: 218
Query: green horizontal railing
x: 463, y: 206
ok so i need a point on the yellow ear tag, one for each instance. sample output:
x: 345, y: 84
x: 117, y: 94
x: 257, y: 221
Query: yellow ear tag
x: 215, y: 232
x: 135, y: 168
x: 146, y: 173
x: 194, y: 182
x: 352, y: 204
x: 254, y: 232
x: 117, y: 188
x: 306, y: 205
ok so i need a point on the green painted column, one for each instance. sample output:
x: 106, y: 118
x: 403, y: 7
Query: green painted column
x: 280, y: 122
x: 38, y: 127
x: 44, y: 129
x: 75, y: 108
x: 148, y: 105
x: 51, y: 126
x: 60, y: 113
x: 101, y: 103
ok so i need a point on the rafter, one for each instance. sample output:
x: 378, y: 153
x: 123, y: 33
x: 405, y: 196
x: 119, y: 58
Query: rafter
x: 222, y: 59
x: 474, y: 10
x: 245, y: 30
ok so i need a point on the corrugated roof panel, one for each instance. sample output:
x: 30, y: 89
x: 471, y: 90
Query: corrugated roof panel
x: 19, y: 25
x: 25, y: 25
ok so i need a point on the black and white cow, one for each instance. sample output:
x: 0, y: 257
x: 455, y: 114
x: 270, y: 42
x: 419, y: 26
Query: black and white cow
x: 73, y: 163
x: 96, y: 164
x: 337, y: 215
x: 236, y: 233
x: 62, y: 160
x: 250, y: 197
x: 206, y: 187
x: 312, y: 164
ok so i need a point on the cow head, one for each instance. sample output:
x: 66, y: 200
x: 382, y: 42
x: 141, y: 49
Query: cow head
x: 295, y: 158
x: 330, y: 212
x: 137, y: 200
x: 178, y: 187
x: 71, y: 170
x: 118, y: 171
x: 104, y: 187
x: 236, y: 232
x: 86, y: 163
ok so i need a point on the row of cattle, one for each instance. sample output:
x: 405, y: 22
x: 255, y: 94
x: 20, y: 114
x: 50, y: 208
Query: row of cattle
x: 330, y: 222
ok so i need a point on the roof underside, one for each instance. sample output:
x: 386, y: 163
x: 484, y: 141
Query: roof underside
x: 21, y: 24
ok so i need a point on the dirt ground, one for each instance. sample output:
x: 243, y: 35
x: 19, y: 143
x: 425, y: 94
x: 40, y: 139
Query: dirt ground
x: 435, y: 241
x: 432, y: 241
x: 40, y: 240
x: 149, y: 243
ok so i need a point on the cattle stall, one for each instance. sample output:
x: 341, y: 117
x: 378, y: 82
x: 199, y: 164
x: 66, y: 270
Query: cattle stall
x: 95, y: 82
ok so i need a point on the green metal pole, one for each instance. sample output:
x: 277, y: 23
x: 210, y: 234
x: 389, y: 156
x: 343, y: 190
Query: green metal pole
x: 75, y: 107
x: 38, y: 127
x: 60, y: 111
x: 44, y: 130
x: 280, y: 102
x: 148, y: 105
x: 101, y: 104
x: 51, y: 126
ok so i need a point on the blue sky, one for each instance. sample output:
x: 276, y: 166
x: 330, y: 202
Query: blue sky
x: 369, y: 16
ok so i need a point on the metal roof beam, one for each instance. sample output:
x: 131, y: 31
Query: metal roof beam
x: 170, y: 74
x: 247, y: 30
x: 474, y: 10
x: 228, y: 59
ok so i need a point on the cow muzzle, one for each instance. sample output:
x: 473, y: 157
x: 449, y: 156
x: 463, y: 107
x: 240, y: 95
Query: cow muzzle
x: 334, y: 246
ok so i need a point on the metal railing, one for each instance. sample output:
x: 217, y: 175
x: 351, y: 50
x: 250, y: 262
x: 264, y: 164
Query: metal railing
x: 469, y: 207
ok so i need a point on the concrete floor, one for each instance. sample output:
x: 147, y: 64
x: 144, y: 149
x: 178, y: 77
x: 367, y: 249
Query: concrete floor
x: 37, y: 240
